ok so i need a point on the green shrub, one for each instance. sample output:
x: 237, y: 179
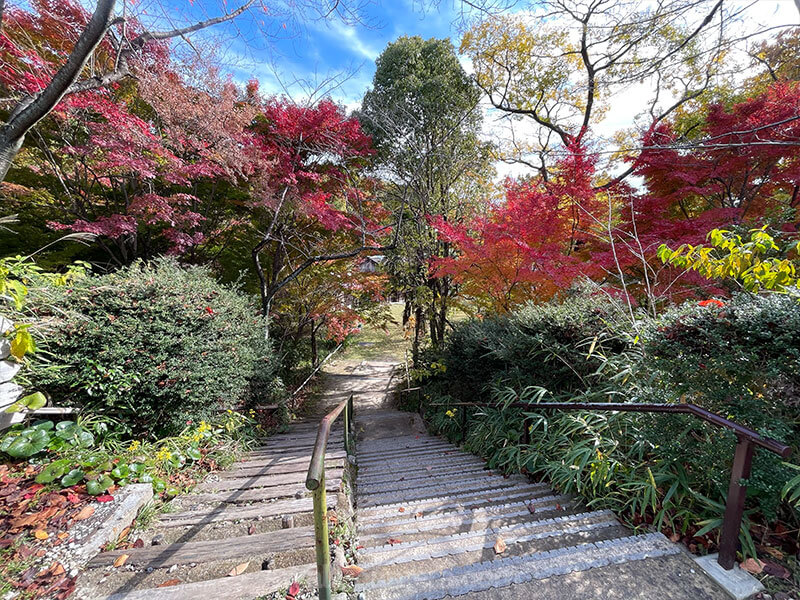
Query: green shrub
x: 155, y: 346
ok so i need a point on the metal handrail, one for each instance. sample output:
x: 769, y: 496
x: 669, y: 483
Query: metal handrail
x: 740, y: 470
x: 315, y: 481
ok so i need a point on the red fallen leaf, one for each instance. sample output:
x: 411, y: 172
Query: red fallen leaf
x: 73, y: 498
x: 105, y: 498
x: 393, y: 541
x: 294, y: 589
x: 360, y: 547
x: 139, y: 543
x: 169, y: 583
x: 752, y: 566
x: 401, y: 509
x: 336, y: 542
x: 559, y: 507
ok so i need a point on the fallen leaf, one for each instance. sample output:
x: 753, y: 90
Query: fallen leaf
x: 139, y: 543
x: 417, y: 515
x: 62, y: 535
x: 41, y: 534
x: 753, y: 566
x: 531, y: 507
x: 393, y: 541
x: 238, y: 569
x: 105, y: 498
x: 776, y: 570
x: 73, y: 498
x: 57, y: 569
x: 352, y: 571
x: 86, y: 512
x: 773, y: 552
x: 294, y: 589
x: 121, y: 560
x: 251, y: 530
x: 169, y: 583
x: 499, y: 545
x: 401, y: 509
x: 124, y: 533
x: 675, y: 537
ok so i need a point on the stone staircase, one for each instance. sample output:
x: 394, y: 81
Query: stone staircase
x: 435, y: 523
x: 255, y: 518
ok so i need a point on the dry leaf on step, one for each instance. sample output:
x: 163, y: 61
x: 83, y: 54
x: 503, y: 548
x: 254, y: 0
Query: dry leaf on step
x: 85, y: 513
x: 169, y: 583
x: 393, y: 541
x: 121, y: 560
x: 57, y: 569
x: 352, y: 571
x: 499, y: 545
x: 238, y: 569
x: 41, y: 534
x: 753, y: 565
x: 401, y: 509
x: 531, y: 507
x: 251, y: 530
x: 773, y: 552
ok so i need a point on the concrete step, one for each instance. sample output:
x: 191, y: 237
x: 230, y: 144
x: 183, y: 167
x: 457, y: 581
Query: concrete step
x: 441, y: 545
x: 258, y: 471
x: 241, y: 587
x: 399, y: 450
x: 198, y: 514
x: 292, y: 490
x: 470, y: 520
x: 368, y: 485
x: 415, y: 496
x: 503, y: 572
x: 401, y: 469
x: 416, y: 455
x: 441, y: 481
x: 268, y: 481
x: 453, y: 502
x: 291, y: 459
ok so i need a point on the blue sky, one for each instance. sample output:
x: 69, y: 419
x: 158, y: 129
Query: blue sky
x: 302, y: 56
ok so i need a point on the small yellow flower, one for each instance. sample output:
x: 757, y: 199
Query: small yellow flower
x: 450, y: 413
x: 134, y: 446
x: 163, y: 454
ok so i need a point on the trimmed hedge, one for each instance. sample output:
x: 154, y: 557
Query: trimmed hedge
x: 156, y: 345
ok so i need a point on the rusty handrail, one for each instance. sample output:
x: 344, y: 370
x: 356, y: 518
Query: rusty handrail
x: 315, y: 481
x: 740, y: 470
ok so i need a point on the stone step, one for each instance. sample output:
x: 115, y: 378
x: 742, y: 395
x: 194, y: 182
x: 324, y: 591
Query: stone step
x: 369, y: 484
x: 210, y: 550
x: 200, y: 515
x: 241, y: 587
x: 472, y: 520
x: 472, y: 553
x: 413, y: 482
x: 301, y: 448
x: 291, y: 459
x: 453, y: 502
x: 260, y: 493
x: 267, y: 481
x: 437, y: 491
x: 503, y: 572
x: 365, y: 480
x: 397, y: 469
x: 298, y: 467
x: 399, y: 449
x: 424, y: 454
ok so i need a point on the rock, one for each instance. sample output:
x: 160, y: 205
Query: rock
x: 287, y: 522
x: 340, y: 596
x: 8, y: 369
x: 299, y: 494
x: 339, y: 560
x: 158, y: 539
x: 361, y: 596
x: 149, y: 569
x: 172, y: 569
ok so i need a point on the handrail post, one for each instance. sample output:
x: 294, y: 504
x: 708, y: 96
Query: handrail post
x: 321, y: 536
x: 734, y: 506
x: 347, y: 417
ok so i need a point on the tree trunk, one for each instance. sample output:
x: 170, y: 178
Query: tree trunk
x: 314, y: 356
x: 7, y: 154
x: 417, y: 335
x: 33, y: 109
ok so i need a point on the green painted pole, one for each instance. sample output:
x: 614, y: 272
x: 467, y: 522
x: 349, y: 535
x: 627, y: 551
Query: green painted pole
x: 321, y: 535
x: 347, y: 417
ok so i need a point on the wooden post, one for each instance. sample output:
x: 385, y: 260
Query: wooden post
x: 734, y: 506
x: 321, y: 538
x: 347, y: 417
